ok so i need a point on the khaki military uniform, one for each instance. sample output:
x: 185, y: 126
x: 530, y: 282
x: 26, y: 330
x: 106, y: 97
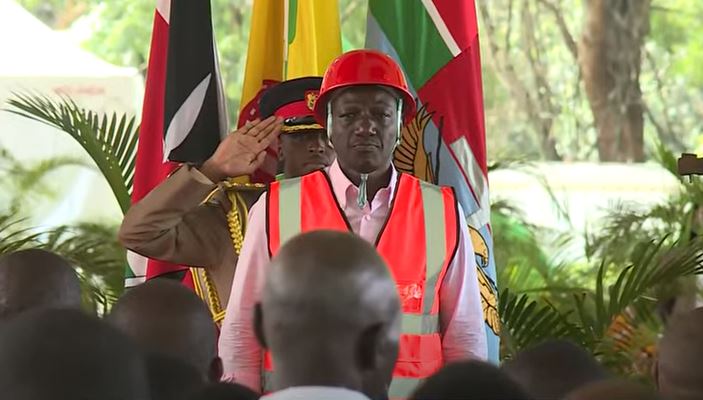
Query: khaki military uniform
x: 189, y: 220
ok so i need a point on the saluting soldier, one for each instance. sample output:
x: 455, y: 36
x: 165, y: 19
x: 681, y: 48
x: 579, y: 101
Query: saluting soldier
x: 197, y: 217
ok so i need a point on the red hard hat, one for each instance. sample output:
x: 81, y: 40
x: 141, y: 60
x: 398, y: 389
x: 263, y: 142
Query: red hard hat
x: 363, y: 67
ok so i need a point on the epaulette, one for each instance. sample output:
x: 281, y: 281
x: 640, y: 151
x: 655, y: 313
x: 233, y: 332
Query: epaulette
x: 236, y: 183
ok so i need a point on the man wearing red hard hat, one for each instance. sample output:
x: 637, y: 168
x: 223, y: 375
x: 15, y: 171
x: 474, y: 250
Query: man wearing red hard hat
x: 418, y: 228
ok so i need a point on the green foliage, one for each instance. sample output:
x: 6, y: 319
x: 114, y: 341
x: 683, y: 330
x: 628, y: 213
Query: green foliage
x: 92, y: 249
x: 352, y: 15
x: 640, y: 259
x: 523, y: 263
x: 675, y: 26
x: 97, y: 256
x: 111, y: 141
x: 13, y: 236
x: 23, y: 183
x: 626, y: 227
x: 526, y: 322
x: 629, y: 292
x: 532, y: 85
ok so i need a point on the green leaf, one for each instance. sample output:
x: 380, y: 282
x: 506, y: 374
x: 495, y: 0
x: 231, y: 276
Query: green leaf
x: 109, y: 140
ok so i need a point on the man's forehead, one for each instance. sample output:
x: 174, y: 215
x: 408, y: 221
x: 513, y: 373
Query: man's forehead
x: 380, y: 94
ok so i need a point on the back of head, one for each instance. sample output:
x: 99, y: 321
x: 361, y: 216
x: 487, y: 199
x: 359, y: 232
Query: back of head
x: 554, y: 368
x: 65, y: 354
x: 469, y: 380
x: 31, y: 279
x: 164, y: 317
x: 679, y: 375
x: 329, y: 302
x: 224, y: 391
x: 171, y: 378
x: 612, y: 389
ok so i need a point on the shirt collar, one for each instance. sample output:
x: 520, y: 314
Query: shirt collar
x: 315, y: 393
x: 340, y: 184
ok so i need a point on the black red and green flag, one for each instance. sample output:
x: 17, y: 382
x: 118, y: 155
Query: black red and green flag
x: 183, y: 114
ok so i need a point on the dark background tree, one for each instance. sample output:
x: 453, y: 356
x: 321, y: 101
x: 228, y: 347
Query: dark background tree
x: 591, y: 79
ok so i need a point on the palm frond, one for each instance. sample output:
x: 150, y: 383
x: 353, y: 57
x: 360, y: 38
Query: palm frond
x: 627, y: 227
x: 13, y: 236
x: 666, y: 158
x: 110, y: 140
x: 98, y: 257
x: 29, y: 176
x: 24, y: 182
x: 652, y: 266
x: 526, y: 321
x: 92, y: 249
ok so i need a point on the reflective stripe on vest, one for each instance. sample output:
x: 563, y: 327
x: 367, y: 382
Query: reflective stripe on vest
x: 418, y: 258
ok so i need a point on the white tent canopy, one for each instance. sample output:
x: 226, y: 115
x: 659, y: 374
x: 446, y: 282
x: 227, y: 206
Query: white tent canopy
x: 35, y: 59
x: 31, y: 49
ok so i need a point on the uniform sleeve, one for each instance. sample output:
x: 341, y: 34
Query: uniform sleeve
x: 170, y: 224
x: 461, y: 314
x: 238, y: 347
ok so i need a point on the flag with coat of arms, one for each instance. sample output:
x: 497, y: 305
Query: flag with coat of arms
x: 436, y: 43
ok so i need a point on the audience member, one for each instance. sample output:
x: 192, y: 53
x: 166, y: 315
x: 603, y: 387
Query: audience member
x: 67, y: 355
x: 612, y: 389
x: 469, y: 380
x: 171, y: 378
x: 330, y: 316
x: 679, y: 375
x: 165, y: 317
x: 224, y: 391
x: 554, y: 368
x: 31, y: 279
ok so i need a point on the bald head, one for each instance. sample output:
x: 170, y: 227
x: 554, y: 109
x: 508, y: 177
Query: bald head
x: 470, y: 380
x: 554, y: 368
x: 679, y: 375
x: 66, y: 354
x: 612, y: 389
x: 329, y: 302
x: 36, y: 279
x: 166, y: 318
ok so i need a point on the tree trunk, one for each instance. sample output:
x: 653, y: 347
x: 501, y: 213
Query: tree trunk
x: 609, y: 55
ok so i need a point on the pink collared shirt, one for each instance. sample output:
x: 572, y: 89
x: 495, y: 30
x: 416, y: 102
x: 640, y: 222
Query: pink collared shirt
x: 461, y: 316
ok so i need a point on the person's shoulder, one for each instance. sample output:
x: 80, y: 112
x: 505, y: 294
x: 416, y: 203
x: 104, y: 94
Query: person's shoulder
x: 424, y: 183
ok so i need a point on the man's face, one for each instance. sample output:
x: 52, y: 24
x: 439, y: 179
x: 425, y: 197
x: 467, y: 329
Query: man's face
x: 364, y: 128
x: 304, y: 152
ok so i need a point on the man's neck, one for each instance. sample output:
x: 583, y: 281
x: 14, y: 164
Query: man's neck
x: 317, y: 377
x: 302, y: 366
x: 375, y: 181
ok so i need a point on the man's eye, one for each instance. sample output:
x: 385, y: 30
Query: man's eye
x: 348, y: 115
x: 384, y: 114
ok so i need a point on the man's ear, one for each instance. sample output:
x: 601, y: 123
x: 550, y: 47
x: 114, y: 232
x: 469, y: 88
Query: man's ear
x: 280, y: 148
x: 259, y: 325
x: 368, y: 347
x: 216, y: 370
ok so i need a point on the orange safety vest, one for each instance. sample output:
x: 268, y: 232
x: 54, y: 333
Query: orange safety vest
x: 418, y: 242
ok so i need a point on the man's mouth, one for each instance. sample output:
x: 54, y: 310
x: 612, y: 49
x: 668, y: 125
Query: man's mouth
x: 317, y: 162
x: 366, y: 146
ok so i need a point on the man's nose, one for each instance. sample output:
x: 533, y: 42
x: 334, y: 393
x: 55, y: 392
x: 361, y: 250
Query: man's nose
x: 317, y: 145
x: 366, y: 125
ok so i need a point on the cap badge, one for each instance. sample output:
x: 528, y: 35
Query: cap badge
x: 310, y: 98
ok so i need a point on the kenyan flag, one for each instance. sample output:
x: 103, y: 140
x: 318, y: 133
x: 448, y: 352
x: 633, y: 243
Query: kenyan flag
x: 436, y: 43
